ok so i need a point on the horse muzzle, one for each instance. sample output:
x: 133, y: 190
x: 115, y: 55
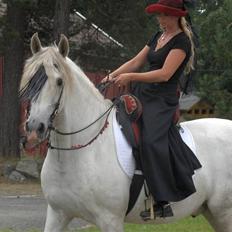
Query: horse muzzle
x: 39, y: 129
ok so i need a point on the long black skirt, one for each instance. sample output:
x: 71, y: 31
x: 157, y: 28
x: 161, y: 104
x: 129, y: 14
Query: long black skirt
x: 167, y: 162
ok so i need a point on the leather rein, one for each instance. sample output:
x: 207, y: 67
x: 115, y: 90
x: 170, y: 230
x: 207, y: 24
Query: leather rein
x: 102, y: 87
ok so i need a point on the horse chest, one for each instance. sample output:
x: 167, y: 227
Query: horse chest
x: 63, y: 195
x: 65, y: 186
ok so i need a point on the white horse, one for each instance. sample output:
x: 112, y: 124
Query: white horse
x: 89, y: 182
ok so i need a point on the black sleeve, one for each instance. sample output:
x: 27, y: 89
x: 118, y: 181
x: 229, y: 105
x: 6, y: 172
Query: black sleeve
x: 183, y: 43
x: 153, y: 38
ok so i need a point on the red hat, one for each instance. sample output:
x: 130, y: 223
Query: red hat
x: 169, y: 7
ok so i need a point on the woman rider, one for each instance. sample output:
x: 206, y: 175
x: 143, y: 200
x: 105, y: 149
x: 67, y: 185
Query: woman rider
x: 167, y: 163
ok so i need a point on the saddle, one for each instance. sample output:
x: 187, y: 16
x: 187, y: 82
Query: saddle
x: 129, y: 110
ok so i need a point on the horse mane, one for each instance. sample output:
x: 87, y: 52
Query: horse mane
x: 33, y: 87
x: 52, y: 58
x: 84, y: 81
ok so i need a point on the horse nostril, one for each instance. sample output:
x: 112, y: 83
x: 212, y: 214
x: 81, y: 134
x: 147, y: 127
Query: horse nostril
x: 27, y: 126
x: 41, y: 128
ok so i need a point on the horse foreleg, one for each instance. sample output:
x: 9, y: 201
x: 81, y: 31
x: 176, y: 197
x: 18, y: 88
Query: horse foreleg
x: 56, y: 221
x: 220, y: 220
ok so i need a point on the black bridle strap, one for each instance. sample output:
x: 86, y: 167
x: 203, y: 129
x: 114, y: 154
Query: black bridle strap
x: 86, y: 127
x: 57, y: 105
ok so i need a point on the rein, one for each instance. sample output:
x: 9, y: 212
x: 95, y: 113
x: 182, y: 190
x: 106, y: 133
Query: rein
x: 86, y: 127
x: 78, y: 146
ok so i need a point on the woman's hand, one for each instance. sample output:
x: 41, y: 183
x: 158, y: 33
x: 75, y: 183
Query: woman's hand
x: 107, y: 78
x: 123, y: 79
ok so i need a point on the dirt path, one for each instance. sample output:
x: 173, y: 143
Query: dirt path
x: 27, y: 188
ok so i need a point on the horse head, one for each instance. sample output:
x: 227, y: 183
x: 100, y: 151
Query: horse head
x: 44, y: 83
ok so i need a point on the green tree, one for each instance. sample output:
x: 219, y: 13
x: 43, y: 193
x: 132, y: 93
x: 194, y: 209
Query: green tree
x: 215, y: 66
x: 131, y: 27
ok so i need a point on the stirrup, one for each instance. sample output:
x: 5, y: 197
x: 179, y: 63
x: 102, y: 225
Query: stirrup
x: 148, y: 213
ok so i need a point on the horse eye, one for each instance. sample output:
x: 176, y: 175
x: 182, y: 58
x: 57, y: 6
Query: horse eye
x: 59, y: 82
x: 56, y: 66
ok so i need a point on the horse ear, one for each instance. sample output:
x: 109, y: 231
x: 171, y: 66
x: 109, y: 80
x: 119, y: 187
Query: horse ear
x: 35, y: 44
x: 63, y: 45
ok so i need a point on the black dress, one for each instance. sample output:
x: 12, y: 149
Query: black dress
x: 167, y: 163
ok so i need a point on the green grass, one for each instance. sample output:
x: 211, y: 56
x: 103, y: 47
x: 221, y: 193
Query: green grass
x: 198, y: 224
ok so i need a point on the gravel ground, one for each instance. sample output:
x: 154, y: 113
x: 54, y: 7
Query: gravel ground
x: 26, y: 212
x: 22, y: 207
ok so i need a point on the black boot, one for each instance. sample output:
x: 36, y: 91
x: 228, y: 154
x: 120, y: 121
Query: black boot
x: 160, y: 210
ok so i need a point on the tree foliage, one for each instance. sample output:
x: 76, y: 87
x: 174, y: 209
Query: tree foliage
x: 215, y: 58
x: 131, y: 27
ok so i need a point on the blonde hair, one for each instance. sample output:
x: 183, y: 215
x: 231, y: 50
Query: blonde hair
x: 187, y: 30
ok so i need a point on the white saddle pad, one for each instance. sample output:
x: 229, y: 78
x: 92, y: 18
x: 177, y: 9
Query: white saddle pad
x: 124, y: 150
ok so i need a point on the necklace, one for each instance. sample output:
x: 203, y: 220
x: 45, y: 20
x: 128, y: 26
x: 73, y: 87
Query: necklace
x: 165, y: 36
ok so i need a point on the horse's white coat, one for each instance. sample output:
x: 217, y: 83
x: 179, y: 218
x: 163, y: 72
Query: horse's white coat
x: 187, y: 137
x: 89, y: 182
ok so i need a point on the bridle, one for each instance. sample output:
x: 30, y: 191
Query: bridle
x: 24, y: 93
